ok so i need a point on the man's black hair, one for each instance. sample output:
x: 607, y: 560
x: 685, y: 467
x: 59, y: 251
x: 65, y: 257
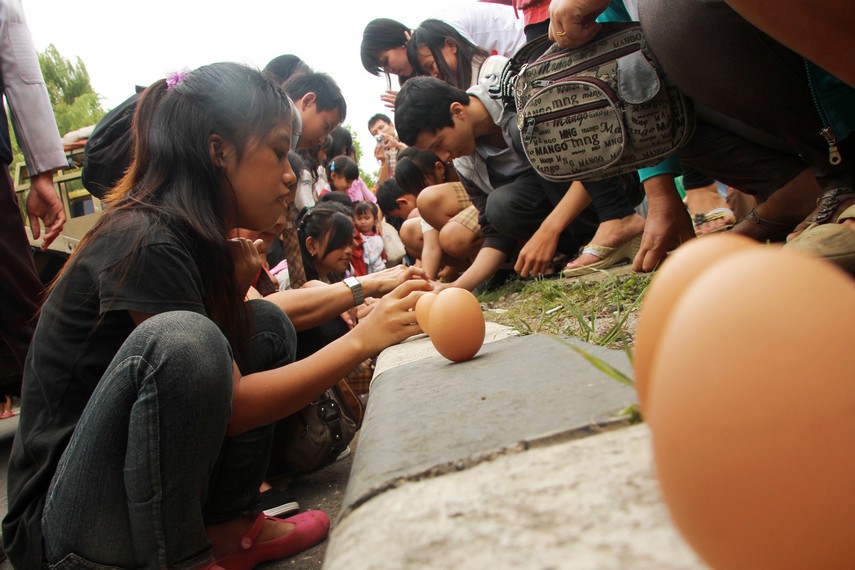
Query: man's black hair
x: 424, y: 105
x: 327, y: 92
x: 338, y: 198
x: 388, y: 193
x: 378, y: 117
x: 283, y: 67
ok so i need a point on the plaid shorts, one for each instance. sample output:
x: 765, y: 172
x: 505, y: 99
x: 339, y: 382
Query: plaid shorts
x: 468, y: 215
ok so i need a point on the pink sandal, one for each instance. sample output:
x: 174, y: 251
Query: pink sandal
x: 310, y: 528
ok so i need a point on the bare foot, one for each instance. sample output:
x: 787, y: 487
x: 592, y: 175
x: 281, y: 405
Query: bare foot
x: 701, y: 201
x: 611, y: 234
x: 226, y: 537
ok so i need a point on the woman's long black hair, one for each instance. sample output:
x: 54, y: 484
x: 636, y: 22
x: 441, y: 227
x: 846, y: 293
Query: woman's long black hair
x: 174, y: 181
x: 433, y: 34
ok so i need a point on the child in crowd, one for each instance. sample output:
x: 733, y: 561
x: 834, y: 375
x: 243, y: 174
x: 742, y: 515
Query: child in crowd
x: 342, y: 171
x: 326, y: 241
x: 149, y: 451
x: 318, y: 100
x: 365, y: 218
x: 342, y: 144
x: 447, y: 248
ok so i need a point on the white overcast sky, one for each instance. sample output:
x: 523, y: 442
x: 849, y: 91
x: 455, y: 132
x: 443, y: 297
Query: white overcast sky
x: 124, y: 44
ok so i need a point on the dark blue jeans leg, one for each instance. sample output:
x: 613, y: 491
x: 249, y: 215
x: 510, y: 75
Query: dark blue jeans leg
x: 242, y: 464
x: 129, y: 489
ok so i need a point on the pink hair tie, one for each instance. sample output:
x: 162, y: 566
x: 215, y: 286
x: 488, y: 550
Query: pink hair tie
x: 173, y: 78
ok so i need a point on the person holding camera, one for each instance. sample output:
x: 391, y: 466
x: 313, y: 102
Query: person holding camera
x: 388, y: 145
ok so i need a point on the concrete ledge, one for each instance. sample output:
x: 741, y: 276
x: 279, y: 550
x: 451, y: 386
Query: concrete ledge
x: 431, y: 416
x: 583, y: 504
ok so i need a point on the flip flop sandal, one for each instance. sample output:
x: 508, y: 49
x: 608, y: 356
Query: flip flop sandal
x: 717, y: 214
x: 834, y: 242
x: 609, y: 257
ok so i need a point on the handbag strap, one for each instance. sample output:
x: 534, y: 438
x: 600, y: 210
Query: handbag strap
x: 504, y: 89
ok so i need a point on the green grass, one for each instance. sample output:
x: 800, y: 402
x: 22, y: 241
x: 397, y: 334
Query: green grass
x: 600, y: 310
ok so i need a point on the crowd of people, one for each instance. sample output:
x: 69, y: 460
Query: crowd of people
x: 242, y: 266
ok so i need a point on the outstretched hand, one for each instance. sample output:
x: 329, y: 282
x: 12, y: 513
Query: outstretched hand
x: 572, y: 23
x: 380, y: 283
x: 44, y: 204
x: 393, y: 318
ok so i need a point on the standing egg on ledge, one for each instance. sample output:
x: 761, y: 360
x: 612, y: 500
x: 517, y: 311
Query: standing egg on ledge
x: 423, y: 306
x: 457, y: 326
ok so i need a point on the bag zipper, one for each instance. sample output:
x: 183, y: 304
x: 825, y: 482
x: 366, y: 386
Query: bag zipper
x: 827, y: 132
x: 530, y: 122
x: 593, y: 62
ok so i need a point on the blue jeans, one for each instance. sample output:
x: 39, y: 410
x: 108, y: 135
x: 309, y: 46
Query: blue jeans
x: 149, y: 464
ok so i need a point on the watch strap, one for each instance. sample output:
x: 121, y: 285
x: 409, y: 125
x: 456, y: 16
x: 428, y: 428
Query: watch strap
x: 356, y: 289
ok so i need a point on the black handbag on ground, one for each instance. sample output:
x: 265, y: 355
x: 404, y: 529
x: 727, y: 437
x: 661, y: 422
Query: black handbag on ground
x: 317, y: 434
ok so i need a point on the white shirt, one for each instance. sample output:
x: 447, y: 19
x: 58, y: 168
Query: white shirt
x: 493, y: 27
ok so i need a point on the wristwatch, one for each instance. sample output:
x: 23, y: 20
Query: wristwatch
x: 356, y: 289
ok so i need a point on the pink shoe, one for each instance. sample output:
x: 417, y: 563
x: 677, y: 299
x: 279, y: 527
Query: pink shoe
x: 310, y: 528
x: 6, y: 415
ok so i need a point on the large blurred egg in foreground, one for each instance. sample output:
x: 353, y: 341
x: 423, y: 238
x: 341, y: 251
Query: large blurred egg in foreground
x: 753, y: 413
x: 456, y: 324
x: 680, y: 269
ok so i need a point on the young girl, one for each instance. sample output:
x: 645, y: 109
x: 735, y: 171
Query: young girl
x: 150, y: 387
x: 326, y: 241
x: 365, y: 218
x: 341, y: 172
x: 438, y: 50
x: 342, y: 144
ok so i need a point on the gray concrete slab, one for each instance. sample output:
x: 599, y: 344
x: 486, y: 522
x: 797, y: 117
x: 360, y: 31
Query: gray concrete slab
x: 589, y: 504
x: 433, y: 416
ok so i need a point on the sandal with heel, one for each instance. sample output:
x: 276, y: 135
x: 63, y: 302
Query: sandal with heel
x: 763, y: 229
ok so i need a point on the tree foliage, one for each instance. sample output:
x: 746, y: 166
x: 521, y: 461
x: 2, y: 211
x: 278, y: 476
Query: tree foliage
x: 75, y: 104
x: 370, y: 178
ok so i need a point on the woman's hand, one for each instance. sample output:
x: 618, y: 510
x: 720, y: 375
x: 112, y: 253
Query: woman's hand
x: 393, y: 318
x: 572, y: 23
x: 247, y: 261
x: 380, y: 283
x: 388, y: 98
